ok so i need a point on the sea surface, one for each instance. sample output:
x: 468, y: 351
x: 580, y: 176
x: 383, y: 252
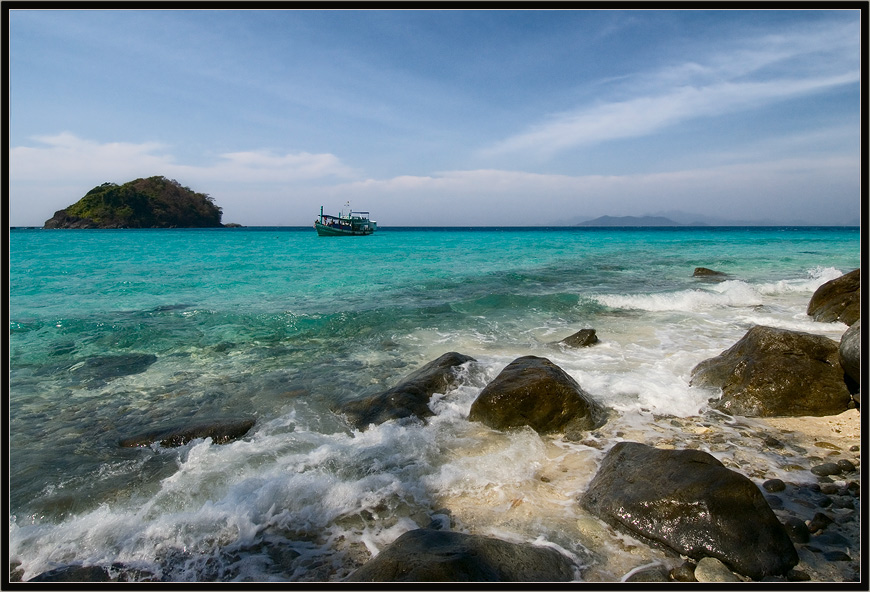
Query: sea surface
x: 118, y: 332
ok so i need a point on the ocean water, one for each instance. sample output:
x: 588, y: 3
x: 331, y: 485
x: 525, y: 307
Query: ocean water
x: 283, y: 326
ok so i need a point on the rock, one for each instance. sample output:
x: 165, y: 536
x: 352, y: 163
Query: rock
x: 777, y: 372
x: 845, y: 466
x: 582, y: 338
x: 686, y: 500
x: 96, y: 371
x: 220, y: 432
x: 850, y: 352
x: 838, y: 300
x: 708, y: 273
x: 656, y: 573
x: 427, y: 555
x: 710, y: 569
x: 410, y: 397
x: 94, y: 573
x: 774, y: 485
x: 535, y: 392
x: 825, y: 469
x: 819, y: 522
x: 685, y: 572
x: 797, y: 530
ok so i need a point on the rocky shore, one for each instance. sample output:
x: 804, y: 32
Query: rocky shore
x: 764, y: 487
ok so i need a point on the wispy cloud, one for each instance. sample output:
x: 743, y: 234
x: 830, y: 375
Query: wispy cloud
x: 760, y: 73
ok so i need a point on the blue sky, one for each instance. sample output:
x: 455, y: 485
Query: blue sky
x: 451, y: 117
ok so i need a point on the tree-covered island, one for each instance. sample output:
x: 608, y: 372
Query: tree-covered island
x: 155, y: 202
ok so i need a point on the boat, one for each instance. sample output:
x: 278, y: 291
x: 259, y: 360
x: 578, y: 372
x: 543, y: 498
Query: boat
x: 353, y: 224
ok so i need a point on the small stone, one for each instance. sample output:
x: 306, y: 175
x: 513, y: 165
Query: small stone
x: 855, y: 448
x: 710, y: 569
x: 797, y: 530
x: 837, y: 556
x: 796, y: 575
x: 827, y: 445
x: 772, y: 442
x: 831, y: 539
x: 684, y: 572
x: 825, y: 469
x: 845, y: 466
x: 829, y: 488
x: 819, y: 522
x: 825, y: 502
x: 774, y: 485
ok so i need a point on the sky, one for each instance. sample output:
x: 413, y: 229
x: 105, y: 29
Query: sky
x: 443, y: 117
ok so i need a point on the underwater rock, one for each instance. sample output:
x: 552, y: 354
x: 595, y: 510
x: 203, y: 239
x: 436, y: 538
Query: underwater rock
x: 409, y: 397
x: 850, y: 352
x: 98, y: 370
x: 838, y: 299
x: 427, y: 555
x: 688, y: 501
x: 94, y: 573
x: 777, y: 372
x: 582, y: 338
x: 220, y: 432
x: 535, y: 392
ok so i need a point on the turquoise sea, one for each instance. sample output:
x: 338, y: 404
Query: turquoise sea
x: 118, y: 332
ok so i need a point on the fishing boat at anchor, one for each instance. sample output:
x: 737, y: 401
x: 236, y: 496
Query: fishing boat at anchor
x: 353, y: 224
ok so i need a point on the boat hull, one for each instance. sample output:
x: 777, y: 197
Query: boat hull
x: 324, y: 230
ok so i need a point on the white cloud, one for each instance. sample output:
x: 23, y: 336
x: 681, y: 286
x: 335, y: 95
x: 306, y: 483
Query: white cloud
x: 793, y: 64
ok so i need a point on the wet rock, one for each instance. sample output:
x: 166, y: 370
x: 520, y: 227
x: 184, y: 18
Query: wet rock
x: 688, y: 501
x: 797, y: 530
x: 408, y: 398
x: 774, y: 485
x: 797, y: 575
x: 838, y: 299
x: 220, y: 432
x: 845, y: 466
x: 777, y: 372
x: 837, y: 556
x: 710, y: 569
x: 94, y: 573
x: 582, y: 338
x: 426, y: 555
x: 535, y: 392
x: 825, y: 469
x: 850, y: 352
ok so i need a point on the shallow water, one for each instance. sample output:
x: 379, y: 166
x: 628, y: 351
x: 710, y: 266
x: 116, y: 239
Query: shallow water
x: 114, y: 333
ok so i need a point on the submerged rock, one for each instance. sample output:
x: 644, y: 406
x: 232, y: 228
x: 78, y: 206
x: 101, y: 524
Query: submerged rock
x: 98, y: 370
x: 535, y: 392
x: 582, y: 338
x: 94, y: 573
x: 838, y: 299
x: 690, y: 502
x: 427, y: 555
x: 776, y: 372
x: 220, y: 432
x: 409, y: 397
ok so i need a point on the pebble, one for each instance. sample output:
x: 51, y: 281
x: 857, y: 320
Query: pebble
x: 796, y: 575
x: 684, y: 572
x: 797, y: 530
x: 836, y: 556
x: 829, y: 488
x: 710, y: 569
x: 845, y: 465
x: 819, y: 522
x: 774, y: 485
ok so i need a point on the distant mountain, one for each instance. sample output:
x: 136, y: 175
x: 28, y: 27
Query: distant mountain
x: 155, y: 202
x: 630, y: 221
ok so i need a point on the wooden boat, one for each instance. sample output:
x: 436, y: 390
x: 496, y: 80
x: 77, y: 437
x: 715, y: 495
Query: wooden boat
x: 353, y: 224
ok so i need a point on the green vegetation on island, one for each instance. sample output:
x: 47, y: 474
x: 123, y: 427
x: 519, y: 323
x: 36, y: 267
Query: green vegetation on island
x: 155, y: 202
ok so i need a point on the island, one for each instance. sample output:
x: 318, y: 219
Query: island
x: 630, y: 221
x: 153, y: 202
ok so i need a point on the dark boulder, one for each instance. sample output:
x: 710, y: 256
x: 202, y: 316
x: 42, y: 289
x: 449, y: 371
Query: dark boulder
x: 850, y: 352
x: 838, y: 299
x: 410, y: 397
x: 776, y: 372
x: 428, y: 555
x: 535, y: 392
x: 703, y: 272
x: 687, y: 501
x: 582, y: 338
x: 220, y: 432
